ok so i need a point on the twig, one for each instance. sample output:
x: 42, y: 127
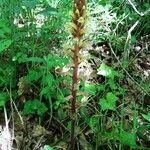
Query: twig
x: 132, y: 79
x: 135, y: 9
x: 130, y: 30
x: 120, y: 22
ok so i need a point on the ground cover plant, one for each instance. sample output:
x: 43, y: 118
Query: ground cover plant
x: 74, y: 74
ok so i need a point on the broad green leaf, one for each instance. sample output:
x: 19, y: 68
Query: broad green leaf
x: 4, y: 44
x: 109, y: 102
x: 147, y: 117
x: 90, y: 88
x: 107, y: 71
x: 128, y: 139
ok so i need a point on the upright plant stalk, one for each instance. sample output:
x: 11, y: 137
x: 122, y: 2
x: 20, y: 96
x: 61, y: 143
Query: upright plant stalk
x: 78, y: 23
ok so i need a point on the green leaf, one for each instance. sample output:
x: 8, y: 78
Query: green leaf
x: 50, y: 11
x: 3, y: 98
x: 128, y: 139
x: 107, y: 71
x: 55, y: 61
x: 112, y: 84
x: 30, y: 3
x: 33, y: 75
x: 141, y: 132
x: 61, y: 113
x: 34, y: 107
x: 47, y: 147
x: 90, y: 88
x: 34, y: 59
x: 45, y: 90
x: 4, y: 29
x: 109, y: 102
x: 93, y: 122
x: 4, y: 44
x: 113, y: 135
x: 147, y: 117
x: 48, y: 80
x: 125, y: 64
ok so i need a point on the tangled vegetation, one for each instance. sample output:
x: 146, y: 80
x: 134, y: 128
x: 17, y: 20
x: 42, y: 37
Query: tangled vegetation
x: 74, y: 74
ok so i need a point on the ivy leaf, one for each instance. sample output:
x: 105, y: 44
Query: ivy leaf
x: 109, y: 102
x: 128, y: 139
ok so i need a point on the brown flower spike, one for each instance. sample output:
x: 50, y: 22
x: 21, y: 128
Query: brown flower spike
x: 78, y: 23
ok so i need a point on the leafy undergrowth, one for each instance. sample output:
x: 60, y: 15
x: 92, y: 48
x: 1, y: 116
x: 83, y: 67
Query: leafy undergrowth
x: 113, y: 102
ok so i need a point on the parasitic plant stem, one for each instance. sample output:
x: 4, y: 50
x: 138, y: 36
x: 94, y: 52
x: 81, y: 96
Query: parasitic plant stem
x: 78, y: 23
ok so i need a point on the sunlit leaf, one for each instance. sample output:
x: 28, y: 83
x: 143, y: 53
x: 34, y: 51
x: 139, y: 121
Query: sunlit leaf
x: 47, y: 147
x: 107, y: 71
x: 109, y: 102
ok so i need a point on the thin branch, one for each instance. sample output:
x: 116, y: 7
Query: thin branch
x: 135, y: 9
x: 130, y: 30
x: 132, y: 79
